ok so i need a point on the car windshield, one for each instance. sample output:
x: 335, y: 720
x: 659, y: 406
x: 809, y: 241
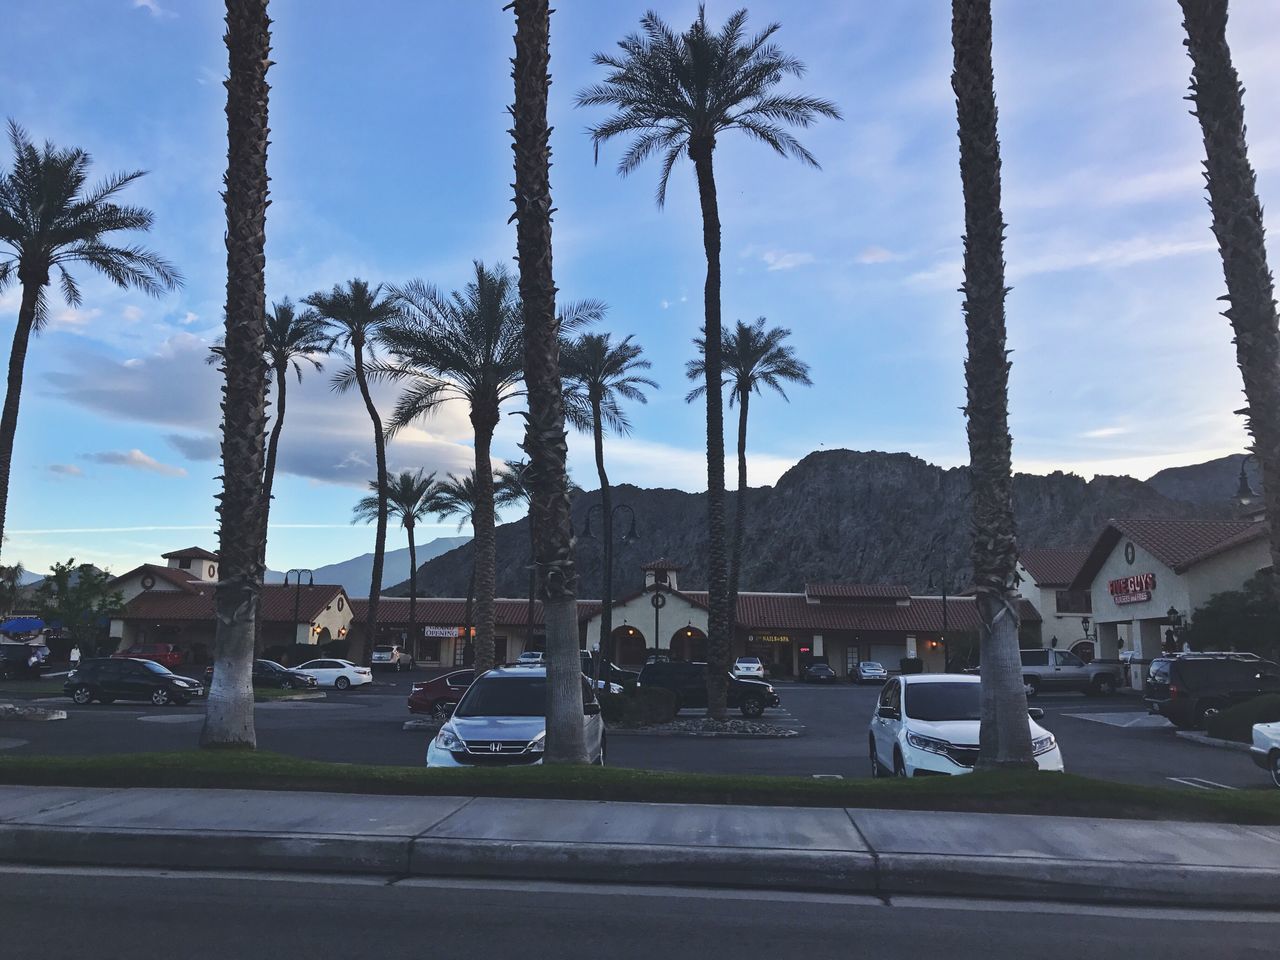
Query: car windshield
x: 383, y: 649
x: 943, y: 701
x: 505, y: 697
x: 748, y: 660
x: 155, y: 667
x: 871, y: 665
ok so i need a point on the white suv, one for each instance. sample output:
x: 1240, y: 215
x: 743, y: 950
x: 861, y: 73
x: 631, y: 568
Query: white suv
x: 748, y: 668
x: 928, y: 724
x: 396, y: 657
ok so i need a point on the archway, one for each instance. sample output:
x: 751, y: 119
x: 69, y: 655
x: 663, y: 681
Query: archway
x: 689, y: 643
x: 630, y: 648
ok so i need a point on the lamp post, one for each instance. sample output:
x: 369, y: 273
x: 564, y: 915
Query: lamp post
x: 297, y: 592
x: 606, y: 607
x: 1245, y: 494
x: 946, y: 575
x: 1177, y: 625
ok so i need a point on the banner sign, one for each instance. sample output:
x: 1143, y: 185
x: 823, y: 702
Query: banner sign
x: 770, y: 638
x: 1134, y: 589
x: 441, y: 631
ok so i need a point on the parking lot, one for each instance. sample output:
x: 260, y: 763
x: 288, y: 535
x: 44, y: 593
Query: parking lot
x: 1110, y: 738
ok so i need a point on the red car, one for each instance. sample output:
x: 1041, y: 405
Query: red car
x: 438, y: 697
x: 165, y: 654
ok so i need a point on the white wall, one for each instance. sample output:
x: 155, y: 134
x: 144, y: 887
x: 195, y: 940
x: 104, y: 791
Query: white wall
x: 1227, y: 571
x: 638, y: 613
x: 1170, y: 591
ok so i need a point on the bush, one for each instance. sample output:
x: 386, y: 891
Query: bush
x: 911, y: 665
x: 1236, y: 723
x: 613, y: 706
x: 642, y: 706
x: 337, y: 649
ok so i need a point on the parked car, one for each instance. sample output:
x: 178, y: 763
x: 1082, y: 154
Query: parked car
x: 501, y: 721
x: 868, y: 671
x: 115, y: 678
x: 1062, y: 670
x: 268, y: 673
x: 18, y: 661
x: 165, y: 654
x: 339, y: 674
x: 609, y: 670
x: 1266, y: 749
x: 439, y: 696
x: 927, y: 723
x: 688, y: 681
x: 535, y: 657
x: 748, y: 668
x: 1190, y: 688
x: 394, y: 657
x: 819, y: 673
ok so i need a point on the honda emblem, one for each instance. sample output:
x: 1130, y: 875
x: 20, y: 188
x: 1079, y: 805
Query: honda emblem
x: 495, y: 747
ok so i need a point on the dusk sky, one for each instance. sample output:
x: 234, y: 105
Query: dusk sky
x: 390, y: 159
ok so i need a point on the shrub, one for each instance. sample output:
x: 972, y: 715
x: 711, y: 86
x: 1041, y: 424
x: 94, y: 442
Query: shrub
x: 337, y: 649
x: 613, y: 706
x: 911, y: 665
x: 1236, y: 723
x: 649, y: 705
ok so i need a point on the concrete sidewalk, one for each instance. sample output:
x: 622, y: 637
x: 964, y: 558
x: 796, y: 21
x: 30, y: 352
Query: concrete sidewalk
x: 878, y: 852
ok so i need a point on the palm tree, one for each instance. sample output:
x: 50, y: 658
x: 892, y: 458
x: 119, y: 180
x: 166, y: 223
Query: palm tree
x: 356, y: 313
x: 1005, y: 738
x: 456, y: 497
x: 410, y: 497
x: 241, y: 506
x: 51, y: 220
x: 598, y: 374
x: 466, y: 346
x: 1237, y: 224
x: 677, y: 93
x: 753, y: 356
x: 511, y: 485
x: 10, y: 587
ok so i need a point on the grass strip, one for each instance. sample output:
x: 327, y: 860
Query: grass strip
x: 1056, y: 795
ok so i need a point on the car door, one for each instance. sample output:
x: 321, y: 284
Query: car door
x: 457, y: 683
x: 693, y: 687
x: 885, y: 729
x: 106, y: 678
x: 1069, y: 671
x: 322, y: 670
x: 135, y: 681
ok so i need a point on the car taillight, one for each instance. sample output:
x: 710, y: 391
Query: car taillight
x: 1174, y: 691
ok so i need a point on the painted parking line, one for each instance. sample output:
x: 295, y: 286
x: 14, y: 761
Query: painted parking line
x: 1200, y: 783
x: 1129, y: 719
x: 827, y: 776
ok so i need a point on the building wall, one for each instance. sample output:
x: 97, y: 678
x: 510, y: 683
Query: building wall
x: 1170, y: 591
x: 336, y: 617
x: 1227, y: 571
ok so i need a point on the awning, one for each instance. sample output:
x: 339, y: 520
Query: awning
x: 22, y: 625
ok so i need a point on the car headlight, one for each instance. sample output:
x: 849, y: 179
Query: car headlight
x: 446, y: 739
x: 1043, y: 744
x: 928, y: 744
x: 538, y: 744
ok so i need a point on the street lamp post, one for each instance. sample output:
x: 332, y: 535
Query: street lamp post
x: 297, y: 592
x: 606, y: 607
x: 1245, y: 494
x: 946, y: 576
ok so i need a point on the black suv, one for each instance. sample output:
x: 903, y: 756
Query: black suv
x: 688, y: 681
x: 268, y: 673
x: 107, y: 679
x: 609, y: 670
x: 1190, y: 688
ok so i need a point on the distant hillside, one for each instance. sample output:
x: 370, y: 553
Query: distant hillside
x: 355, y: 574
x: 835, y: 515
x: 1212, y: 482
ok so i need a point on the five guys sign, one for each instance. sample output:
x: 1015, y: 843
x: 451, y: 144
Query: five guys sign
x: 1133, y: 589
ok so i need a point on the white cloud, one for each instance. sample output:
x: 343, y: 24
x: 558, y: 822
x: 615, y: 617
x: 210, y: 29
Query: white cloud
x: 1102, y: 433
x: 72, y: 320
x: 780, y: 260
x: 189, y: 319
x: 153, y: 7
x: 66, y: 469
x: 137, y: 460
x: 875, y: 254
x: 131, y: 314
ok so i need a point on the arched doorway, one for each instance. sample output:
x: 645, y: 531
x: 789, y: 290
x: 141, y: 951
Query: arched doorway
x: 689, y: 643
x: 630, y: 648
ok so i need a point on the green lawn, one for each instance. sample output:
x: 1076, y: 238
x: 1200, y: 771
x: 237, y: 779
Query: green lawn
x: 1030, y: 793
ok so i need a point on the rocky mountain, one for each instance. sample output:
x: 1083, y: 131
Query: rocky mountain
x: 836, y: 515
x: 1212, y: 482
x: 354, y: 574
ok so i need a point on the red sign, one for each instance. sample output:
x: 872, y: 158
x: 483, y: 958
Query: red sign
x: 1135, y: 589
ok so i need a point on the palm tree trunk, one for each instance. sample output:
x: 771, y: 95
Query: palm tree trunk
x: 31, y: 287
x: 1237, y: 224
x: 413, y: 591
x: 1005, y: 737
x: 241, y: 507
x: 268, y: 481
x: 606, y: 506
x: 533, y: 586
x: 545, y: 441
x: 468, y: 610
x: 484, y: 546
x: 740, y: 510
x: 380, y: 536
x: 719, y: 619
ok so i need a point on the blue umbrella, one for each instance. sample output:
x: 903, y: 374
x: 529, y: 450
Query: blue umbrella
x: 22, y: 625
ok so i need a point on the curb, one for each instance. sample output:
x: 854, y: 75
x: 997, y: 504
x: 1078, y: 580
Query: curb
x: 1207, y: 741
x: 832, y: 871
x: 10, y: 711
x: 622, y: 732
x: 293, y: 696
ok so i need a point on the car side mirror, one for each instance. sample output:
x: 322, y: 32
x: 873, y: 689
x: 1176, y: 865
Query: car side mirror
x: 590, y: 709
x: 887, y: 713
x: 1035, y: 713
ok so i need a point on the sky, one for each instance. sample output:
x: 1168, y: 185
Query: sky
x: 390, y: 160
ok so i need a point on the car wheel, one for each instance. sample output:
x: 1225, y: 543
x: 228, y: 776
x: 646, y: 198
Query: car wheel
x: 1206, y: 712
x: 1031, y: 685
x: 341, y: 683
x: 877, y: 770
x: 899, y: 765
x: 1275, y: 767
x: 160, y: 697
x: 1104, y: 686
x: 440, y: 711
x: 752, y: 707
x: 286, y: 684
x: 82, y: 695
x: 413, y: 665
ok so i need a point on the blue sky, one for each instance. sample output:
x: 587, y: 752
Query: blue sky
x: 390, y: 160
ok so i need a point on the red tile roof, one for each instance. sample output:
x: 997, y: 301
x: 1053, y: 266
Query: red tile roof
x: 662, y: 563
x: 856, y: 591
x: 194, y: 553
x: 277, y: 604
x: 1053, y: 566
x: 1178, y: 544
x: 451, y: 612
x: 184, y: 580
x: 790, y: 611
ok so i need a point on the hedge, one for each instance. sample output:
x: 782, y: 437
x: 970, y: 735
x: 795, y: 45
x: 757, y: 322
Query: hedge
x: 1236, y: 723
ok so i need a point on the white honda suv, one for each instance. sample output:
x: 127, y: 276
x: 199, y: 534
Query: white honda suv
x: 501, y: 721
x: 928, y: 724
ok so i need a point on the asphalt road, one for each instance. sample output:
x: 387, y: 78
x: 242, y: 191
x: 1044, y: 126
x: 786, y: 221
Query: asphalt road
x: 1110, y: 738
x: 113, y: 915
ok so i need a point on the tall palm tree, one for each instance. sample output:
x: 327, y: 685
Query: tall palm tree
x: 677, y: 93
x: 1237, y: 224
x: 753, y: 357
x: 456, y: 497
x: 511, y: 486
x: 10, y: 587
x: 598, y: 374
x: 465, y: 346
x: 356, y: 313
x: 52, y: 220
x: 241, y: 505
x: 410, y: 497
x: 1005, y: 738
